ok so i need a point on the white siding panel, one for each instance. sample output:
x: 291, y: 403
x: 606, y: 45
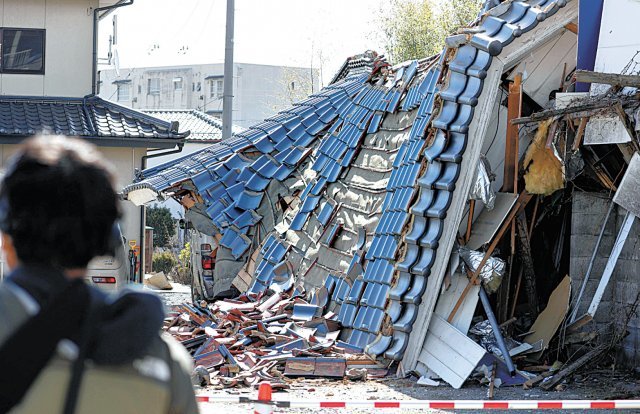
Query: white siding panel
x: 68, y: 59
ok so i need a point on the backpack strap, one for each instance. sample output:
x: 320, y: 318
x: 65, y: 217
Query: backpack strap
x: 77, y: 369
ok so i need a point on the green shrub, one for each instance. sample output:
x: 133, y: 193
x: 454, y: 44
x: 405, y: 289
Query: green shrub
x: 163, y: 262
x: 183, y: 269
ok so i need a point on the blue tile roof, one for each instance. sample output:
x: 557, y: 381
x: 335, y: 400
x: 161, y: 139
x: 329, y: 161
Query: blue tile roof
x: 379, y: 305
x: 90, y: 117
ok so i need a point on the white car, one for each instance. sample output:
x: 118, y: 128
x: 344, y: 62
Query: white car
x: 109, y: 273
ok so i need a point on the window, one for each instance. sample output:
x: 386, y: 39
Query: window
x: 216, y: 88
x: 177, y: 84
x: 220, y: 88
x: 124, y: 91
x: 139, y: 89
x: 22, y: 51
x: 153, y: 86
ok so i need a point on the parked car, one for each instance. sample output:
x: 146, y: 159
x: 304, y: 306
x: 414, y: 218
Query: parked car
x: 110, y: 273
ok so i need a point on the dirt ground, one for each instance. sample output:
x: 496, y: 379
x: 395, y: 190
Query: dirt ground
x: 594, y: 385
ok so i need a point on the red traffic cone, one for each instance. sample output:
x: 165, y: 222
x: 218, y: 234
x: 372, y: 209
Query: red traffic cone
x: 264, y: 395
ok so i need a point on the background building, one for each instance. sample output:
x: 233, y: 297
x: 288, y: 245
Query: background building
x: 259, y: 90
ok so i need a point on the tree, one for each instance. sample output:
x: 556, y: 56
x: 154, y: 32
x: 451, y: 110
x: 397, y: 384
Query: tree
x: 414, y: 29
x: 163, y: 226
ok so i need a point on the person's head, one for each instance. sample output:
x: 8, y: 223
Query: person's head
x: 58, y: 206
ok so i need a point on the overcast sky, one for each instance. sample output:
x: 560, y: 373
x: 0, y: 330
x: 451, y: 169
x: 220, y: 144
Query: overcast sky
x: 274, y: 32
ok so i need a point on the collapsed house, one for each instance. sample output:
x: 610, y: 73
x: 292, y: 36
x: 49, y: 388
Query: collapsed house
x: 398, y: 198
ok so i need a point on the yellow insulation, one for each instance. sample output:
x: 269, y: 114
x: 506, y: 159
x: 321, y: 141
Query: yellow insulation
x: 544, y: 172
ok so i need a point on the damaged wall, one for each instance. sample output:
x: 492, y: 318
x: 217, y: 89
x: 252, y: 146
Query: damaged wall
x: 589, y: 211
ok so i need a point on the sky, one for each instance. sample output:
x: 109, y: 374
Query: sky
x: 318, y: 33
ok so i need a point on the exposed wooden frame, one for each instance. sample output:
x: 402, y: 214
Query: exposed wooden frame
x: 577, y: 141
x: 511, y: 150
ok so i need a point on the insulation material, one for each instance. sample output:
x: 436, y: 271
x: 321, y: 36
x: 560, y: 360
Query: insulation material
x: 482, y: 189
x: 492, y: 271
x: 544, y: 169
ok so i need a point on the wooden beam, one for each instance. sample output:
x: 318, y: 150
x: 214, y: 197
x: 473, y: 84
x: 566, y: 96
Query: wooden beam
x: 527, y: 264
x: 534, y: 216
x: 572, y: 27
x: 472, y: 207
x: 514, y: 110
x: 588, y: 76
x: 551, y: 133
x: 588, y: 105
x: 574, y: 366
x: 577, y: 141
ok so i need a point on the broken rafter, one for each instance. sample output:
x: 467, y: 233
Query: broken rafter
x: 514, y: 110
x: 573, y: 367
x: 587, y: 76
x: 527, y: 264
x: 572, y: 27
x: 587, y: 105
x: 577, y: 141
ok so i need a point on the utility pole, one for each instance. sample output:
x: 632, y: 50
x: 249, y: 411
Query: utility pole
x: 227, y: 100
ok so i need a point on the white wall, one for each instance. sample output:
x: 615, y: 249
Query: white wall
x: 125, y: 161
x: 68, y: 46
x: 619, y: 39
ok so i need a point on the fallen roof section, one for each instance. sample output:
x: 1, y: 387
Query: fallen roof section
x: 379, y: 165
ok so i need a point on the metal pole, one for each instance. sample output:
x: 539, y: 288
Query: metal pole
x: 574, y: 312
x: 227, y: 102
x: 611, y: 262
x: 496, y: 331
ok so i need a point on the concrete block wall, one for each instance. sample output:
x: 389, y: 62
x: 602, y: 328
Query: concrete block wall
x: 588, y: 213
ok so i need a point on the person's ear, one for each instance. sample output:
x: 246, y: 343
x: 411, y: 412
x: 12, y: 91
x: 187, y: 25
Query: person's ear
x: 9, y: 252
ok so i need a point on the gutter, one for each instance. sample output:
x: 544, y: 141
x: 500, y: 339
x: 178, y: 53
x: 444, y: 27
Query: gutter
x: 143, y: 166
x: 96, y: 18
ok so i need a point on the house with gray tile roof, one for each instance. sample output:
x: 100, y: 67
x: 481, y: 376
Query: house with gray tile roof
x: 48, y: 84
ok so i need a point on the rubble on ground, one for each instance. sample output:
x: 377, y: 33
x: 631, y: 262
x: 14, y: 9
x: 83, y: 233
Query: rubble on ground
x: 266, y: 337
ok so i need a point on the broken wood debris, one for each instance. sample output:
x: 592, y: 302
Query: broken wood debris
x: 267, y: 337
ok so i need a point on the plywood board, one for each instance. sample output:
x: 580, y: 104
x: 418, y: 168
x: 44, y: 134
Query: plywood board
x: 449, y: 353
x: 548, y: 322
x: 605, y: 130
x: 489, y: 221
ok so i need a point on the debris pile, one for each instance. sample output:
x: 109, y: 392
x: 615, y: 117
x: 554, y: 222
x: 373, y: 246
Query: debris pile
x: 266, y: 337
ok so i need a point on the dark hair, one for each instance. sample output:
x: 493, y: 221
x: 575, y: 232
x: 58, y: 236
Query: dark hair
x: 58, y: 204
